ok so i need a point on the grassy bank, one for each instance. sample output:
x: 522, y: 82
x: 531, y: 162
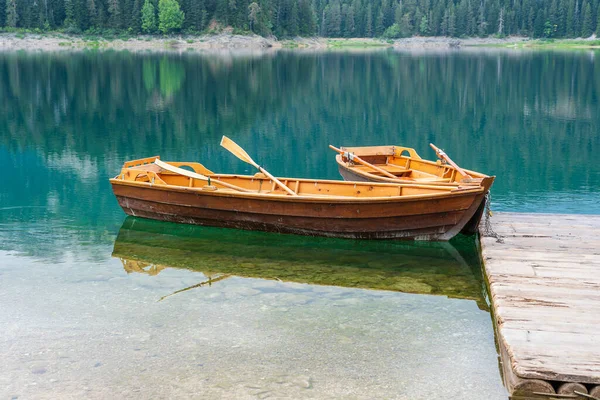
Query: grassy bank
x: 551, y: 44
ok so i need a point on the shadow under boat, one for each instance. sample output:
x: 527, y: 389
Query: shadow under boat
x: 451, y: 269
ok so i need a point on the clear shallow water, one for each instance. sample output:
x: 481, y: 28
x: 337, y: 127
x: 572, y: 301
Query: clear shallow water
x: 81, y: 324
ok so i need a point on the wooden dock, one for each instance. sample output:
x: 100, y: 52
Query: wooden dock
x: 543, y: 272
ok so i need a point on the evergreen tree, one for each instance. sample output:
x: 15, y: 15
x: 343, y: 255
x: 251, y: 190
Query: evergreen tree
x: 387, y: 13
x: 93, y: 13
x: 11, y: 13
x: 531, y: 21
x: 561, y: 18
x: 257, y: 19
x: 379, y: 25
x: 471, y: 18
x: 170, y: 16
x: 334, y: 22
x: 405, y: 26
x: 306, y: 19
x: 461, y: 19
x: 294, y: 22
x: 347, y: 21
x: 501, y: 22
x: 114, y: 11
x: 481, y: 22
x: 577, y: 19
x: 538, y: 30
x: 369, y: 21
x: 70, y: 14
x: 232, y: 13
x: 323, y: 29
x: 424, y: 26
x: 598, y: 22
x: 148, y: 17
x: 417, y: 17
x: 452, y: 22
x: 587, y: 27
x: 221, y: 11
x: 136, y: 14
x: 570, y: 28
x: 2, y: 13
x: 444, y: 24
x: 553, y: 13
x: 398, y: 13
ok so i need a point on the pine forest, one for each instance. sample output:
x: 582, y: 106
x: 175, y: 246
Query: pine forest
x: 327, y: 18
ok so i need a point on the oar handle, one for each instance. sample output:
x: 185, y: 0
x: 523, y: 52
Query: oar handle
x: 442, y: 155
x: 354, y: 157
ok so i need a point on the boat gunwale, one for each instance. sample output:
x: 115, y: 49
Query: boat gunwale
x: 448, y: 192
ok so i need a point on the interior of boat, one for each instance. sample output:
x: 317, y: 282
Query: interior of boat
x: 405, y: 163
x: 196, y: 175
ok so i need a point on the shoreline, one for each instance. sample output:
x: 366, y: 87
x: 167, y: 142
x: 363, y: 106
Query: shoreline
x: 59, y: 42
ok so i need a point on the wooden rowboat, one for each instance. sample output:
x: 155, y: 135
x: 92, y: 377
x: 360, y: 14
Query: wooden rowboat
x: 405, y: 165
x: 165, y: 191
x: 396, y: 164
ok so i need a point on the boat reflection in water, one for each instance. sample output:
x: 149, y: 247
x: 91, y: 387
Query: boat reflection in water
x: 439, y: 268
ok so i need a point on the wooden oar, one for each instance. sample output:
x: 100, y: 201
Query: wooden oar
x: 237, y: 151
x: 195, y: 175
x: 359, y: 160
x: 440, y: 153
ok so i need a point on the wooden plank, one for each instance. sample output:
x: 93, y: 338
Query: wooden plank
x: 544, y: 280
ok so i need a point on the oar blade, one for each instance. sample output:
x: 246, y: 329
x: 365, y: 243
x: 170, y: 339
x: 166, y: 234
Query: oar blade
x: 237, y: 151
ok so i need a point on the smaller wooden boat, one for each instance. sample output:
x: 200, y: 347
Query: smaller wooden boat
x: 155, y: 189
x: 404, y: 165
x: 396, y: 164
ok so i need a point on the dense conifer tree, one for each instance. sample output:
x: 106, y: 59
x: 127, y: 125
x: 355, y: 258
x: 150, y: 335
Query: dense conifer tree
x: 11, y: 13
x: 598, y: 21
x: 148, y: 17
x: 2, y: 12
x: 587, y: 27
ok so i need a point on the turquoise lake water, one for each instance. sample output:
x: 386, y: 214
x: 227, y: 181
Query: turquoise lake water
x: 274, y: 315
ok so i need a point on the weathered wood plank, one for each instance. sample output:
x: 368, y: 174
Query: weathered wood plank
x: 544, y: 279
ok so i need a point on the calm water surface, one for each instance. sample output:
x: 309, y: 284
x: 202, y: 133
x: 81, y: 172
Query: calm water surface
x: 249, y: 315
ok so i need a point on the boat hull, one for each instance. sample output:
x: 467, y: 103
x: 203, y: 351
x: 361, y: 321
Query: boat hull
x: 470, y: 228
x: 350, y: 175
x: 439, y: 218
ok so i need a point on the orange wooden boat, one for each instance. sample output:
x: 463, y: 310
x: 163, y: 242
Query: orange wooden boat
x: 155, y: 189
x: 405, y: 166
x: 396, y: 164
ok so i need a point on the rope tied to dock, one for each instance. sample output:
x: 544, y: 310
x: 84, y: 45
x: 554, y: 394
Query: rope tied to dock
x: 487, y: 230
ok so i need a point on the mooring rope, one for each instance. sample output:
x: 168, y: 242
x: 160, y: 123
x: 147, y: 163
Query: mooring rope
x: 487, y: 223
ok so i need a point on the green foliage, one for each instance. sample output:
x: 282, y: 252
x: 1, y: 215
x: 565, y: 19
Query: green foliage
x: 170, y: 16
x: 549, y: 29
x: 288, y: 18
x: 148, y: 17
x: 393, y: 32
